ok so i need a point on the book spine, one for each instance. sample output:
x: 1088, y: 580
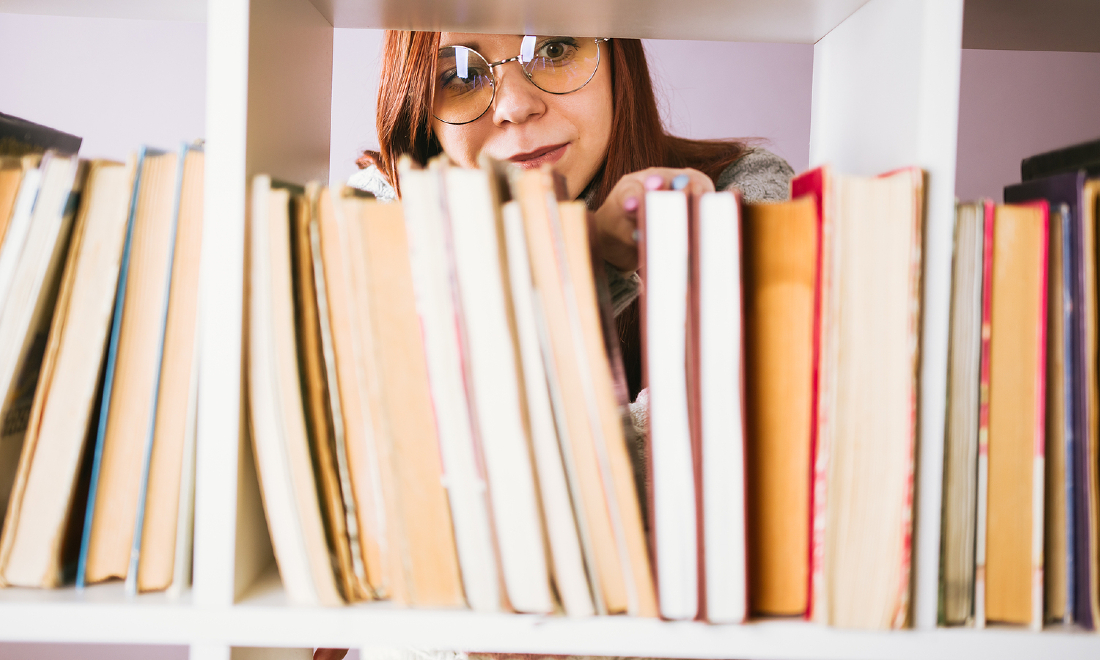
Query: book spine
x: 1039, y: 467
x: 1071, y: 297
x: 109, y: 376
x: 983, y: 422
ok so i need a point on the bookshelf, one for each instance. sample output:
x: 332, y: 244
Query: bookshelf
x: 885, y: 94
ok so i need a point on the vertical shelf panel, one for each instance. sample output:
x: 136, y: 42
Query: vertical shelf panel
x: 885, y: 95
x: 221, y: 299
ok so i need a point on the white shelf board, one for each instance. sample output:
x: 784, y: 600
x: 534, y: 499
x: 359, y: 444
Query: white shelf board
x: 264, y: 618
x: 102, y: 614
x: 157, y: 10
x: 791, y: 21
x: 1066, y: 25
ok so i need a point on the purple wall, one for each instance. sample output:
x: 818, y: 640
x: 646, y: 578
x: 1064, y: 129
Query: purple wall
x: 1015, y: 104
x: 116, y: 83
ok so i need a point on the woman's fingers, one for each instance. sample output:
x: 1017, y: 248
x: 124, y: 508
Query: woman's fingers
x: 617, y: 219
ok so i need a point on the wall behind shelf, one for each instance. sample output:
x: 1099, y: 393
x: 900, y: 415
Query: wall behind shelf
x: 117, y: 83
x: 706, y: 89
x: 1014, y: 104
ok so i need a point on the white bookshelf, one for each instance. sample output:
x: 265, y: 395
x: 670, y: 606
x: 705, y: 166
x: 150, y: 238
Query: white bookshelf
x: 885, y: 94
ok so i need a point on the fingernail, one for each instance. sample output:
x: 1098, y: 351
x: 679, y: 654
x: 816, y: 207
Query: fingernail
x: 654, y: 182
x: 630, y: 204
x: 636, y: 235
x: 681, y: 182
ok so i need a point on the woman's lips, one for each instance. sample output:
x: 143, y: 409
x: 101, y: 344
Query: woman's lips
x: 539, y: 157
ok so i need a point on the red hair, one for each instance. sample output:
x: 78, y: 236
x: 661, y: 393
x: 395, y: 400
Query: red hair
x: 638, y: 138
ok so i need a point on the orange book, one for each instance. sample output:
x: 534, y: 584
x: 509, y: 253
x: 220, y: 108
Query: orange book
x: 1017, y: 381
x: 779, y: 280
x: 426, y: 554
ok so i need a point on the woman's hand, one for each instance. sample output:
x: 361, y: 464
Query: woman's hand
x: 617, y: 218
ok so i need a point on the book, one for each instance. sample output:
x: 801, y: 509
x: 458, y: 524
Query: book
x: 594, y: 449
x: 12, y: 172
x: 1017, y: 369
x: 352, y: 378
x: 11, y: 436
x: 154, y: 551
x: 1087, y: 491
x: 45, y: 515
x: 876, y: 299
x: 1083, y: 156
x: 722, y: 408
x: 473, y: 492
x: 1057, y: 535
x: 497, y: 399
x: 130, y: 401
x: 664, y: 252
x: 982, y: 513
x: 1071, y: 423
x: 31, y: 265
x: 780, y: 284
x: 19, y: 137
x: 324, y: 422
x: 604, y: 380
x: 567, y: 559
x: 424, y: 561
x: 960, y: 488
x: 276, y: 414
x: 819, y: 184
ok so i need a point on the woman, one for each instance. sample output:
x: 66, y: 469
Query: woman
x: 584, y: 105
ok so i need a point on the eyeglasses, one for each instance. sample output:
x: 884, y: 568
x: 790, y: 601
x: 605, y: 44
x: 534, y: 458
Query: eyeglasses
x: 465, y: 84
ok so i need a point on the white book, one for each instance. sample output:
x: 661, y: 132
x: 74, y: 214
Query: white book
x: 566, y: 557
x: 672, y: 472
x: 722, y: 407
x: 277, y: 417
x: 497, y: 387
x: 433, y: 283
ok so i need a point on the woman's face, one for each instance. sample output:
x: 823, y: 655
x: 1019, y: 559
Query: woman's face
x: 528, y: 126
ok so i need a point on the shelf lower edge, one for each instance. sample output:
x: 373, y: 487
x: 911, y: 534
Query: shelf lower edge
x: 387, y: 627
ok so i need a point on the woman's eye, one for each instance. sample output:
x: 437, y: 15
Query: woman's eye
x: 556, y: 50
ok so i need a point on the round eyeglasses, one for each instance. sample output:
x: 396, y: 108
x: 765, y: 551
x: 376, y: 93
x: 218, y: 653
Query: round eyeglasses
x: 465, y: 84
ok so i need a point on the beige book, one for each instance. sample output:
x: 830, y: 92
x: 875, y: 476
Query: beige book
x: 158, y: 537
x: 283, y: 460
x: 622, y: 492
x: 320, y: 425
x: 607, y: 568
x: 779, y: 243
x: 426, y: 555
x: 1013, y: 560
x: 130, y: 411
x: 352, y: 371
x: 868, y: 528
x: 43, y: 510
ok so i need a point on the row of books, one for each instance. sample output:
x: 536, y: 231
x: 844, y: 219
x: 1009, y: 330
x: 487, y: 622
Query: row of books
x: 438, y: 411
x: 98, y: 306
x: 1021, y: 495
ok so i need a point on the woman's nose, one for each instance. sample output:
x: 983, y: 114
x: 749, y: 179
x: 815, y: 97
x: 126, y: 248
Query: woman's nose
x: 517, y: 99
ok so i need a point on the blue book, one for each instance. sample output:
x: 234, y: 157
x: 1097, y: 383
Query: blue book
x: 147, y: 455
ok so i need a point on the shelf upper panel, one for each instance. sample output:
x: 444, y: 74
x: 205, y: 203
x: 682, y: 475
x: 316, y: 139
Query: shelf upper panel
x: 159, y: 10
x: 1067, y: 25
x: 792, y: 21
